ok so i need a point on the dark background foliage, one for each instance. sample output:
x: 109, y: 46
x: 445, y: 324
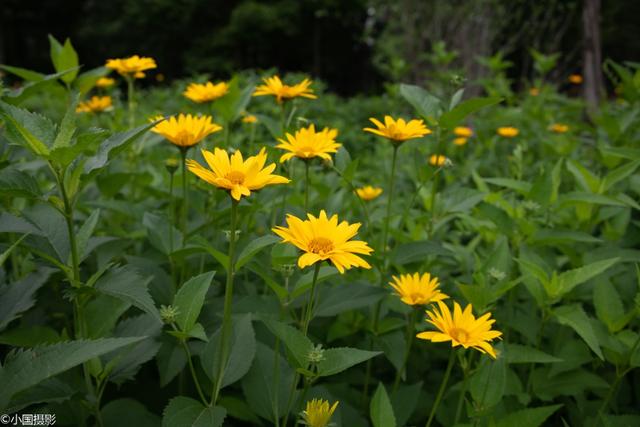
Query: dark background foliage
x: 354, y: 45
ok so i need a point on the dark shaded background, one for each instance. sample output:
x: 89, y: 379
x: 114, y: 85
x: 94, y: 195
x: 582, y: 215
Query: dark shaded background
x: 350, y: 44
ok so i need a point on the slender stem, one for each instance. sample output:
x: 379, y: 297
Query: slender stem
x: 306, y: 185
x: 465, y: 383
x: 131, y: 102
x: 171, y: 222
x: 385, y: 231
x: 612, y: 390
x: 185, y: 196
x: 228, y: 300
x: 411, y: 325
x: 227, y: 125
x: 276, y: 382
x: 309, y: 309
x: 193, y: 372
x: 436, y: 182
x: 443, y: 385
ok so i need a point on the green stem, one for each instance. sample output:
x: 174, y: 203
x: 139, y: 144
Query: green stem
x: 436, y: 183
x: 185, y: 196
x: 411, y: 325
x: 465, y: 383
x: 306, y: 186
x: 385, y: 231
x: 605, y: 402
x: 131, y: 102
x: 443, y: 385
x: 172, y: 222
x: 228, y: 300
x: 310, y: 301
x: 193, y: 371
x: 227, y: 125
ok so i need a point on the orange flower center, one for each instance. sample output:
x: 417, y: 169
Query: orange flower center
x: 236, y: 177
x: 416, y: 297
x: 459, y: 335
x: 320, y: 245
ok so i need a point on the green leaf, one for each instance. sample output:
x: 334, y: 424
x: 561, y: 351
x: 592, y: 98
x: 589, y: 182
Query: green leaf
x: 296, y: 342
x: 404, y: 401
x: 572, y: 278
x: 339, y: 299
x: 29, y: 336
x: 427, y: 105
x: 337, y: 360
x: 23, y: 73
x: 452, y: 118
x: 128, y: 412
x: 529, y: 417
x: 19, y: 296
x: 556, y: 236
x: 85, y: 232
x: 16, y: 183
x: 63, y: 58
x: 87, y: 80
x: 255, y: 246
x: 588, y: 181
x: 31, y: 130
x: 200, y: 243
x: 158, y: 232
x: 170, y: 359
x: 609, y: 307
x: 190, y: 298
x: 5, y: 255
x: 102, y: 314
x: 24, y: 369
x: 521, y: 187
x: 516, y: 353
x: 618, y: 175
x: 125, y: 283
x: 575, y: 317
x: 407, y: 253
x: 67, y: 127
x: 487, y: 385
x: 380, y: 410
x: 186, y: 412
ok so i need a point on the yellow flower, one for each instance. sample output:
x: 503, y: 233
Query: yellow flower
x: 460, y: 141
x: 238, y: 176
x: 399, y: 130
x: 559, y: 128
x: 462, y: 328
x: 534, y: 91
x: 417, y: 290
x: 249, y: 118
x: 131, y: 66
x: 437, y: 160
x: 576, y: 79
x: 508, y: 131
x: 105, y: 82
x: 206, y: 92
x: 96, y: 104
x: 186, y: 130
x: 323, y: 239
x: 463, y: 131
x: 368, y: 192
x: 282, y: 92
x: 307, y: 143
x: 318, y: 413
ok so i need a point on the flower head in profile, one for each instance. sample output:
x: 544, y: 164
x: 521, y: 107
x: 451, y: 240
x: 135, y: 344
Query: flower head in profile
x: 206, y: 92
x: 324, y: 239
x: 416, y: 289
x: 399, y: 130
x: 559, y: 128
x: 240, y: 177
x: 318, y: 413
x: 461, y: 328
x: 133, y: 66
x: 96, y: 104
x: 368, y: 192
x: 185, y: 130
x: 437, y: 160
x: 460, y: 141
x: 307, y: 144
x: 463, y: 131
x: 508, y: 131
x: 534, y: 91
x: 249, y: 118
x: 104, y: 82
x: 575, y: 79
x: 274, y: 86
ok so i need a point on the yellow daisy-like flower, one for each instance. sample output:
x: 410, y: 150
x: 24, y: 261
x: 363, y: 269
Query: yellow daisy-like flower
x: 97, y: 104
x: 104, y: 82
x: 460, y: 141
x: 576, y: 79
x: 462, y: 328
x: 398, y: 130
x: 318, y: 413
x: 206, y: 92
x: 508, y: 131
x: 534, y: 91
x: 437, y: 160
x: 414, y: 289
x: 463, y: 131
x: 249, y: 118
x: 282, y: 92
x: 233, y: 173
x: 368, y: 192
x: 322, y: 238
x: 132, y: 66
x: 186, y: 130
x: 307, y: 143
x: 559, y: 128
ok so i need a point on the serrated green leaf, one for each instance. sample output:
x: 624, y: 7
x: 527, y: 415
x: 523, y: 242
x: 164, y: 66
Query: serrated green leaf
x: 186, y: 412
x: 128, y: 412
x: 575, y: 317
x: 125, y: 283
x: 608, y: 305
x: 452, y: 118
x: 427, y: 105
x: 252, y: 249
x: 295, y: 341
x: 380, y: 410
x: 572, y: 278
x: 528, y: 417
x: 19, y: 296
x: 517, y: 353
x: 487, y: 385
x: 31, y: 130
x: 5, y: 255
x: 14, y: 182
x: 64, y: 57
x: 190, y: 298
x: 339, y: 359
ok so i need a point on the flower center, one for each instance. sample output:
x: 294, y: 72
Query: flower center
x: 236, y: 177
x: 459, y: 335
x: 320, y: 245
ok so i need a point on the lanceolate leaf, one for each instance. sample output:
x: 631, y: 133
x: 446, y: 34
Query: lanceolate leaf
x: 337, y: 360
x: 19, y: 296
x: 186, y: 412
x: 295, y: 341
x: 380, y: 411
x: 31, y: 130
x: 457, y: 114
x: 575, y: 317
x: 125, y: 283
x: 190, y: 298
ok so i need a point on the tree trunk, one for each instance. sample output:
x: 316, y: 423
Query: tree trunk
x: 593, y: 87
